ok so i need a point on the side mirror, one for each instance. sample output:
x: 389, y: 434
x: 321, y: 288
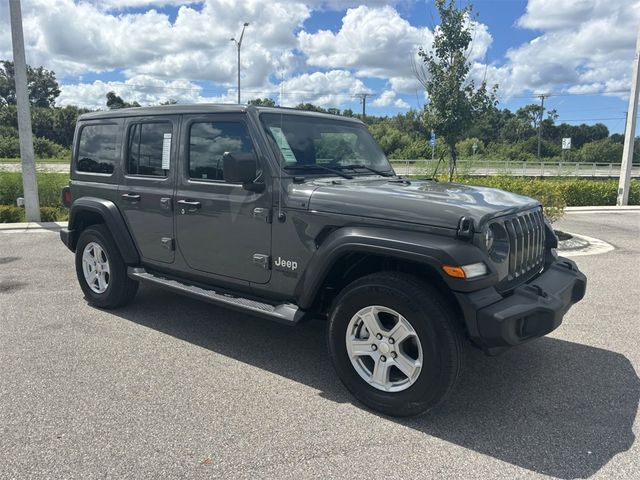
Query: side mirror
x: 239, y: 167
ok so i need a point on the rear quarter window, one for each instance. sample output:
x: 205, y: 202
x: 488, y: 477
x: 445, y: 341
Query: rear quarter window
x: 98, y: 149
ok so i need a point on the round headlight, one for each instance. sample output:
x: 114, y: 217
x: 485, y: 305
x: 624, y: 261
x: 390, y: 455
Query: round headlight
x: 488, y: 239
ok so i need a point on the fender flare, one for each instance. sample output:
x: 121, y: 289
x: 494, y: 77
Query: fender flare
x: 113, y: 220
x: 429, y: 249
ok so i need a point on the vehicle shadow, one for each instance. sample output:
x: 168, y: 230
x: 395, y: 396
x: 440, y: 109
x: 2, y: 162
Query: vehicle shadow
x: 553, y: 407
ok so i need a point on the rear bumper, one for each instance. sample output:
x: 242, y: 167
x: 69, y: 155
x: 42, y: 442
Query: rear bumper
x: 532, y: 310
x: 66, y: 237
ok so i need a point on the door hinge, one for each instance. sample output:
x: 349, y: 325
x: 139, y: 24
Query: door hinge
x: 167, y: 243
x: 262, y: 260
x: 262, y: 213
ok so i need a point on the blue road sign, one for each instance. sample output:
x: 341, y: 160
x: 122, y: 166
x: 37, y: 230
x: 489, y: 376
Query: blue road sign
x: 433, y: 138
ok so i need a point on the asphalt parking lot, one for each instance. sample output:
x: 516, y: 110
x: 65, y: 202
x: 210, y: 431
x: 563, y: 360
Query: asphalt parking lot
x: 169, y: 387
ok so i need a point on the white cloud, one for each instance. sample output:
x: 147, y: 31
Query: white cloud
x: 389, y: 98
x: 581, y: 46
x: 141, y: 88
x: 327, y: 89
x: 585, y: 46
x: 75, y: 38
x: 378, y: 42
x: 374, y: 42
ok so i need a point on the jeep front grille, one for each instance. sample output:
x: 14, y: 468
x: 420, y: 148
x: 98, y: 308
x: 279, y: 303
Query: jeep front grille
x: 526, y: 242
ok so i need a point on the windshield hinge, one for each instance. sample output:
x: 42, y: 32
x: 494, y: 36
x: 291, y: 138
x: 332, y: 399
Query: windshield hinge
x: 465, y: 228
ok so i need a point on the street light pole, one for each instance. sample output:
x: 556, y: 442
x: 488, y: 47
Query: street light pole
x: 29, y: 179
x: 540, y: 124
x: 239, y: 45
x: 630, y: 132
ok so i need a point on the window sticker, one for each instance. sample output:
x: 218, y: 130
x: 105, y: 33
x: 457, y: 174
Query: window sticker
x: 166, y: 151
x: 283, y: 145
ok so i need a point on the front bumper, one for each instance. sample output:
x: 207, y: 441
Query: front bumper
x: 533, y: 309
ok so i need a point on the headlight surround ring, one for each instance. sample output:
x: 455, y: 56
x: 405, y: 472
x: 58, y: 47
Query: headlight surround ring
x: 496, y: 242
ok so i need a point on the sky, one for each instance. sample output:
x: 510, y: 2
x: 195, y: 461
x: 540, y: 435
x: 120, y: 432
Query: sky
x: 578, y: 53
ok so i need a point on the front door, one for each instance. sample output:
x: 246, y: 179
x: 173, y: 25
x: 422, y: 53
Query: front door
x: 222, y: 228
x: 145, y: 196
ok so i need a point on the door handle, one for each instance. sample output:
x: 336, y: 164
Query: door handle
x: 188, y: 206
x: 131, y: 197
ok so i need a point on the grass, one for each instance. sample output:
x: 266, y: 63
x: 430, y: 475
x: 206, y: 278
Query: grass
x: 66, y: 160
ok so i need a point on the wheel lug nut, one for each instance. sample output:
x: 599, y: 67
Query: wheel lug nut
x: 392, y: 341
x: 374, y: 347
x: 394, y: 354
x: 383, y: 358
x: 379, y: 336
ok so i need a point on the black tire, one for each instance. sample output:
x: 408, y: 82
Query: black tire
x: 121, y: 289
x: 433, y: 319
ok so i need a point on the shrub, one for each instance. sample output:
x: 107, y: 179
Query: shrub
x: 560, y: 192
x: 45, y: 148
x: 49, y: 188
x: 53, y: 214
x: 601, y: 151
x: 11, y: 214
x: 9, y: 147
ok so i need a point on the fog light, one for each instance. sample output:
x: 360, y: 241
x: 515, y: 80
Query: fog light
x: 475, y: 270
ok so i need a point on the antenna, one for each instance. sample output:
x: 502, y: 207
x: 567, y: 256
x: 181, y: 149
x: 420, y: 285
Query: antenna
x: 281, y: 216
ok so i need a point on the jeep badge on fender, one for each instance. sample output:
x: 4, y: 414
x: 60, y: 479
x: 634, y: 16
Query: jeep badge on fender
x: 204, y: 199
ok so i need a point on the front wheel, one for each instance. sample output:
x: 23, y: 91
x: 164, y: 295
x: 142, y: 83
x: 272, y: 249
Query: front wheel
x: 101, y: 271
x: 395, y: 343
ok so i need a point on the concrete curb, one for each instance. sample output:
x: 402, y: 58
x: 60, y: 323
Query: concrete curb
x: 607, y: 208
x: 13, y: 227
x: 583, y: 246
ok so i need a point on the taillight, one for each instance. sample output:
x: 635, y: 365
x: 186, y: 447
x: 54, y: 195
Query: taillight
x: 66, y: 197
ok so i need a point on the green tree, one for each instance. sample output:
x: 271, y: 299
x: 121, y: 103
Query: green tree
x: 41, y: 84
x: 454, y: 100
x: 310, y: 107
x: 262, y: 102
x: 604, y: 151
x: 114, y: 102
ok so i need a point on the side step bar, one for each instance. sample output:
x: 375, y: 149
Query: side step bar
x: 287, y: 313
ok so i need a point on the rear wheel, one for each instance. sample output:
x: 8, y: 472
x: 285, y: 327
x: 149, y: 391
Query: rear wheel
x: 100, y: 269
x: 395, y: 344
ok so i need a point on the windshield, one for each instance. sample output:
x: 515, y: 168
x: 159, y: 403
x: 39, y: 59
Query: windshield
x: 325, y: 146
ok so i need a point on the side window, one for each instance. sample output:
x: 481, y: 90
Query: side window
x: 208, y: 141
x: 145, y: 149
x: 97, y: 149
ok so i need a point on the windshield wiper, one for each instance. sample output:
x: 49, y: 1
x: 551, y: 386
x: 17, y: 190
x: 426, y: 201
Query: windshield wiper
x: 318, y: 167
x: 373, y: 170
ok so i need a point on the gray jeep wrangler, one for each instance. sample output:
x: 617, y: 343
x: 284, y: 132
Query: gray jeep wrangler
x: 290, y: 215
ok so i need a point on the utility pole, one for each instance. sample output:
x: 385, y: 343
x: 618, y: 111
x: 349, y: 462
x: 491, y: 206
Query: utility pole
x: 29, y: 180
x: 239, y: 45
x: 541, y: 97
x: 630, y: 132
x: 363, y: 99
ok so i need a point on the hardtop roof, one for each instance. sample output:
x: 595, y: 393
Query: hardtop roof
x: 202, y: 108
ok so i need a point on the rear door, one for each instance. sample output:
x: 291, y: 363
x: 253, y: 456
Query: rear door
x: 146, y: 193
x: 221, y: 228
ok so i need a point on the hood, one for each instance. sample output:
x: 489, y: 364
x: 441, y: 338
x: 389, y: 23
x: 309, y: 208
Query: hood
x: 420, y: 202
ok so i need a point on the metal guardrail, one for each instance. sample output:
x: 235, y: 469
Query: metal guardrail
x: 525, y: 169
